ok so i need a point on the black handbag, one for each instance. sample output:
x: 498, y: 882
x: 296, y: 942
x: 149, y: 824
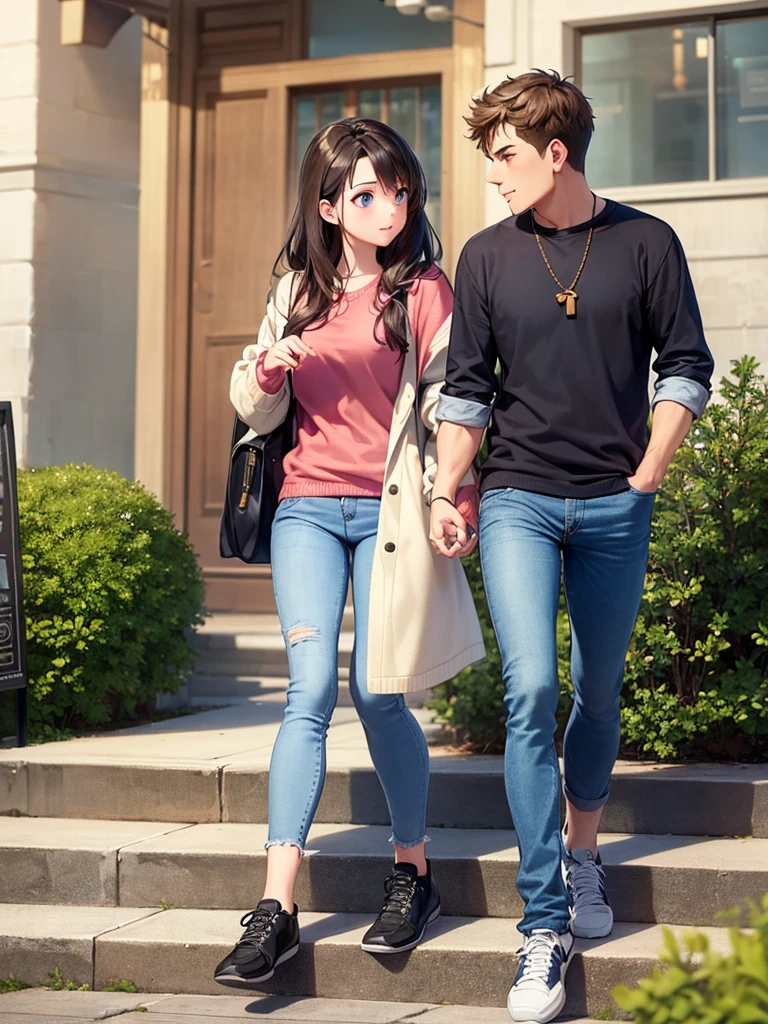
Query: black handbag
x: 253, y: 485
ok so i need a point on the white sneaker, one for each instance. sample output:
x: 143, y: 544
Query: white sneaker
x: 584, y: 877
x: 538, y: 992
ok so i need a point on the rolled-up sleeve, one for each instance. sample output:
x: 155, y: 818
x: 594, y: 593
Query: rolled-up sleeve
x: 470, y: 380
x: 684, y: 363
x: 463, y: 411
x: 684, y: 391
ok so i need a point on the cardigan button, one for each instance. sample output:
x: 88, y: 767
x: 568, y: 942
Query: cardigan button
x: 389, y: 547
x: 394, y: 489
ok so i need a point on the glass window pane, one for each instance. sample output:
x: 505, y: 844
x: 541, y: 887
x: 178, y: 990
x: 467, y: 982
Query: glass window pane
x: 331, y: 107
x: 741, y: 51
x: 305, y: 125
x: 430, y: 148
x: 402, y: 112
x: 370, y: 103
x: 342, y: 27
x: 648, y: 88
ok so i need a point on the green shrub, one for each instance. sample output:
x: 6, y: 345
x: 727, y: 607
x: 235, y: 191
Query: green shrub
x: 111, y: 591
x: 700, y: 986
x: 697, y: 666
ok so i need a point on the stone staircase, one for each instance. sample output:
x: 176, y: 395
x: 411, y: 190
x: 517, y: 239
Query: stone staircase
x: 243, y: 655
x: 139, y: 868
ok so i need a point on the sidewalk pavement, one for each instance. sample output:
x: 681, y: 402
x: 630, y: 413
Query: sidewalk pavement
x: 242, y: 731
x: 41, y: 1006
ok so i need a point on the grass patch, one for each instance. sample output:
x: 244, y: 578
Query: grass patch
x: 58, y: 984
x: 12, y: 985
x: 121, y: 986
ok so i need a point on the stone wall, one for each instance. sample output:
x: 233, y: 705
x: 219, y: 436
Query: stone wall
x: 69, y: 156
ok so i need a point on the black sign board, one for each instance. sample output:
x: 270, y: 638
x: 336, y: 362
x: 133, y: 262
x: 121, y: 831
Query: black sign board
x: 13, y: 647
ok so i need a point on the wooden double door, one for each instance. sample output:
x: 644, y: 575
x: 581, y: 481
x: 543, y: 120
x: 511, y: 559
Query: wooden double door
x: 249, y: 127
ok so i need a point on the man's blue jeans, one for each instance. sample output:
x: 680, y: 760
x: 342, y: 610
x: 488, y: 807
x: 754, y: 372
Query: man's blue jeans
x: 315, y: 541
x: 601, y: 547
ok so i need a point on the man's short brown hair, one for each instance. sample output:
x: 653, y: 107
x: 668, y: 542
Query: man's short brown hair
x: 540, y: 106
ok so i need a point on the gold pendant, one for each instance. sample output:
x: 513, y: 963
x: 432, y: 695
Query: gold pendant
x: 568, y: 298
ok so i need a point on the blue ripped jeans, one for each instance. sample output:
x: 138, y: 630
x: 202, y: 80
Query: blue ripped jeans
x: 601, y: 547
x: 315, y: 543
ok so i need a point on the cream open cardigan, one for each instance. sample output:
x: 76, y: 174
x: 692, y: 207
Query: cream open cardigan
x: 422, y: 626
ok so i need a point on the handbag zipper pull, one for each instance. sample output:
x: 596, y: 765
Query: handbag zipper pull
x: 250, y: 463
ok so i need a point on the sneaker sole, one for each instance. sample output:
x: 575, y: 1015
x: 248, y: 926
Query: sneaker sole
x: 411, y: 945
x: 554, y: 1010
x: 231, y: 981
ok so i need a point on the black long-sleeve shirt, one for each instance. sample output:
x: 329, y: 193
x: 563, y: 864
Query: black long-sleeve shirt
x: 569, y: 417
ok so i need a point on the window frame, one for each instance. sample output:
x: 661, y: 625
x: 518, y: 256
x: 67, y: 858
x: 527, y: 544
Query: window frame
x: 351, y: 90
x: 712, y: 186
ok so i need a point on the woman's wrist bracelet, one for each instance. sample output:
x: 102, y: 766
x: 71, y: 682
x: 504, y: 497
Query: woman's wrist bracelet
x: 442, y: 497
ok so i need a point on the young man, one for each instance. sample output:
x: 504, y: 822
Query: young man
x: 571, y: 295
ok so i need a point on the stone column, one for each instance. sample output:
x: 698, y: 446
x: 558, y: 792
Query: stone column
x: 69, y: 157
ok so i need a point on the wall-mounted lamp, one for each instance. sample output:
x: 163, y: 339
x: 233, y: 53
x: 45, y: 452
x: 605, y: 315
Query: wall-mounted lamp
x: 432, y: 12
x: 409, y: 6
x: 441, y: 12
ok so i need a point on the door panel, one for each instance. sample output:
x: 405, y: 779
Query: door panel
x: 238, y: 226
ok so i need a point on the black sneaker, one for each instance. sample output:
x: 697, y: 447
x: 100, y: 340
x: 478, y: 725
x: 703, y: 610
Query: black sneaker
x: 270, y: 938
x: 411, y: 904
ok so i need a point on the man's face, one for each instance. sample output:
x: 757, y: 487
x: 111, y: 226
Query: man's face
x: 523, y: 175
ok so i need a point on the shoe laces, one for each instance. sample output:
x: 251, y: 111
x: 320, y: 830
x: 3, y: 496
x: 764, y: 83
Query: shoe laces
x: 257, y: 924
x: 401, y: 889
x: 536, y: 955
x: 586, y: 883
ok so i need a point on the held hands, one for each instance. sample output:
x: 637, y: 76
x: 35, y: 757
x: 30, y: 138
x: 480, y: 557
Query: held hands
x: 287, y: 354
x: 453, y: 527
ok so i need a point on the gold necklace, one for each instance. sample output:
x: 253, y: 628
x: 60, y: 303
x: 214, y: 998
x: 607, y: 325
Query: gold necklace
x: 567, y: 296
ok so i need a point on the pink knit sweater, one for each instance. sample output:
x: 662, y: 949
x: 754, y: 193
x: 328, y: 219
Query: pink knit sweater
x: 345, y: 394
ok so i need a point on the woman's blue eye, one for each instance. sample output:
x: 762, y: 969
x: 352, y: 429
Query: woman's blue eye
x: 365, y: 199
x: 402, y: 193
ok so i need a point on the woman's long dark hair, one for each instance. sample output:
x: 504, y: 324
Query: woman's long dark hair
x: 314, y: 247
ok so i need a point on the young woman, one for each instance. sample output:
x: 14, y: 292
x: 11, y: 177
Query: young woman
x: 360, y: 321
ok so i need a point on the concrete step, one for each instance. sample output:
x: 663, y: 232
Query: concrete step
x: 678, y: 880
x: 249, y: 645
x: 257, y: 655
x: 223, y: 688
x: 41, y: 1006
x: 463, y: 960
x: 68, y: 781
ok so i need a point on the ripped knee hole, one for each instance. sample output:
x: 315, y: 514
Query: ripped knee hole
x: 299, y: 633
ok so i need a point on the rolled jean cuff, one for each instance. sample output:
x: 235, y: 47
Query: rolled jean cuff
x: 407, y: 846
x: 550, y: 924
x: 463, y: 411
x: 285, y: 842
x: 586, y: 805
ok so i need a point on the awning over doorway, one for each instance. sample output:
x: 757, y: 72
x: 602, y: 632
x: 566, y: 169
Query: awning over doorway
x: 95, y: 22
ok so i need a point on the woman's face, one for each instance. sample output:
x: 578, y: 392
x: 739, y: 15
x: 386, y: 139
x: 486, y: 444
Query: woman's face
x: 366, y: 210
